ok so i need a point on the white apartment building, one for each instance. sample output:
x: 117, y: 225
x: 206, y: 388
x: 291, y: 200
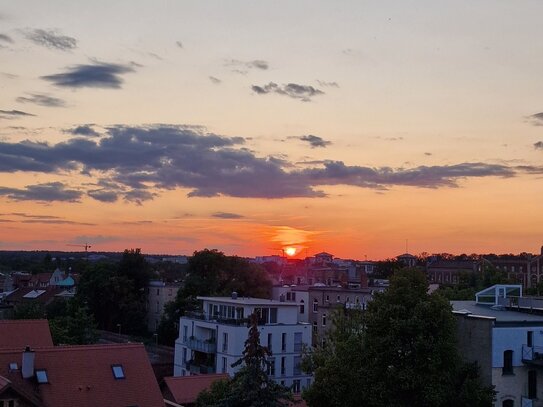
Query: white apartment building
x: 212, y: 340
x: 159, y: 294
x: 503, y: 332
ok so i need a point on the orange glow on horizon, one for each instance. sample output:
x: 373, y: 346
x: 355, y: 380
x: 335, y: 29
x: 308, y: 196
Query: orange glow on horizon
x: 290, y: 251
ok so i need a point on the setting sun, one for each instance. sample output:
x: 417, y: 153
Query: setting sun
x: 290, y: 251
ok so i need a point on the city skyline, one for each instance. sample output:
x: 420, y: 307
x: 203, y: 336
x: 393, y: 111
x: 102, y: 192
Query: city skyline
x: 253, y: 127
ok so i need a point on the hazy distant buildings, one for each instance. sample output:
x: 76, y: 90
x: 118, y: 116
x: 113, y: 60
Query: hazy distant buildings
x: 159, y: 293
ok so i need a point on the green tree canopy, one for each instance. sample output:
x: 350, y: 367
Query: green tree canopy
x: 403, y: 353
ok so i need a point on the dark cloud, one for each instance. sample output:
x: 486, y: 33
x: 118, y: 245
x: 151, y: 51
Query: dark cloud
x: 215, y: 80
x: 241, y: 67
x: 538, y: 145
x: 6, y: 38
x: 57, y: 222
x: 51, y: 39
x: 83, y: 130
x: 315, y: 141
x: 14, y: 114
x: 26, y: 215
x: 52, y: 191
x: 328, y: 84
x: 427, y: 153
x: 227, y: 215
x: 292, y: 90
x: 179, y: 44
x: 98, y: 75
x: 536, y: 119
x: 136, y: 163
x: 42, y: 100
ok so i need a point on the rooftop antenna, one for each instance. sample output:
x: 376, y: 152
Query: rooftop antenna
x: 407, y: 245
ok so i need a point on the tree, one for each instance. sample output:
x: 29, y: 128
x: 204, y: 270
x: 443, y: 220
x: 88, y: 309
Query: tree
x: 29, y: 310
x: 407, y: 354
x: 74, y: 327
x: 251, y: 386
x: 212, y: 273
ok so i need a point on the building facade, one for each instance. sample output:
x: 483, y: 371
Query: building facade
x: 212, y: 340
x: 159, y: 294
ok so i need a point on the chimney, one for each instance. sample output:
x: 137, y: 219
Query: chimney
x: 234, y: 295
x: 27, y: 368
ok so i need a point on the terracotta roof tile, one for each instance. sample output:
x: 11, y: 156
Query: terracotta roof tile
x: 185, y: 389
x: 25, y: 332
x: 82, y: 376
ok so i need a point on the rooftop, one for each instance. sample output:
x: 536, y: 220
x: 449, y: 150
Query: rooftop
x: 500, y: 314
x: 25, y: 332
x: 185, y: 389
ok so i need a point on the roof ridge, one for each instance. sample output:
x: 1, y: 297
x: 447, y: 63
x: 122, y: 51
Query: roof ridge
x: 76, y: 347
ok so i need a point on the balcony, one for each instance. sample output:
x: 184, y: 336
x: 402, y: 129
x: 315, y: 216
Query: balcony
x: 218, y: 319
x: 205, y: 346
x: 526, y: 402
x: 194, y: 368
x: 532, y: 355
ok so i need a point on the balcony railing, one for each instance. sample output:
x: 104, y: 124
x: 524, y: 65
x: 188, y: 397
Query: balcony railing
x: 219, y: 319
x: 198, y: 369
x: 532, y: 354
x: 199, y: 345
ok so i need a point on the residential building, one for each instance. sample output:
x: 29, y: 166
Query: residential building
x: 19, y: 333
x: 506, y: 342
x: 212, y: 340
x: 159, y: 294
x: 184, y: 390
x: 296, y: 294
x: 117, y: 375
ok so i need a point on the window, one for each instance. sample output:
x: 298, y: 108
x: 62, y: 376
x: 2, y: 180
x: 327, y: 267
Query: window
x: 41, y: 376
x: 296, y: 386
x: 273, y: 315
x: 315, y: 305
x: 270, y: 369
x: 184, y: 355
x: 532, y: 384
x: 118, y: 372
x: 530, y: 338
x: 158, y: 291
x: 283, y: 341
x: 338, y: 299
x: 297, y: 369
x: 302, y: 307
x: 508, y: 403
x: 157, y: 307
x: 283, y: 365
x: 225, y: 342
x: 327, y: 298
x: 507, y: 362
x: 224, y: 363
x: 185, y: 332
x: 270, y: 342
x: 315, y: 327
x: 323, y: 319
x: 297, y: 341
x: 13, y: 366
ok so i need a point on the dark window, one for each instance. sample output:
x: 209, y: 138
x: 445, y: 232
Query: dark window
x: 283, y: 342
x: 532, y: 384
x: 273, y: 315
x: 118, y: 372
x: 302, y: 307
x: 508, y: 362
x: 508, y: 403
x: 530, y: 338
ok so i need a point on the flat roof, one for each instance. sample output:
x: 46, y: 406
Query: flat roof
x: 501, y: 316
x: 247, y: 301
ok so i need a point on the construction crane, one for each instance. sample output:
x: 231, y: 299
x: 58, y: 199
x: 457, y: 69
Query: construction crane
x: 86, y: 246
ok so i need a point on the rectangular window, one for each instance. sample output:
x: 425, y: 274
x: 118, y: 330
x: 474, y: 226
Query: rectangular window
x: 532, y: 384
x: 297, y: 369
x: 225, y: 342
x: 323, y: 319
x: 283, y: 341
x: 270, y: 370
x: 158, y: 291
x: 530, y: 338
x: 297, y: 341
x: 273, y: 315
x: 302, y: 308
x: 296, y: 386
x: 270, y: 342
x: 224, y: 364
x: 184, y: 355
x: 185, y: 332
x: 283, y: 365
x: 315, y: 305
x: 507, y: 362
x: 315, y: 327
x: 41, y: 376
x: 157, y: 307
x: 118, y: 372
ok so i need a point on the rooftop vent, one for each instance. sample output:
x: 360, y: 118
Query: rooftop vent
x: 234, y: 295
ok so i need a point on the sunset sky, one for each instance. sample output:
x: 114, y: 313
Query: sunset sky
x: 249, y: 127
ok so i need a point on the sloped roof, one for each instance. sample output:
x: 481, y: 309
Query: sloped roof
x: 82, y: 376
x: 25, y: 332
x: 20, y: 295
x: 185, y: 389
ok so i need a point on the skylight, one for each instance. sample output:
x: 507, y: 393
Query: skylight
x: 41, y: 376
x: 118, y: 371
x: 13, y: 366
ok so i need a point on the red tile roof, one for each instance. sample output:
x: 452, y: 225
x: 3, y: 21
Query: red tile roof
x: 185, y: 389
x: 17, y: 296
x: 82, y: 376
x: 25, y: 332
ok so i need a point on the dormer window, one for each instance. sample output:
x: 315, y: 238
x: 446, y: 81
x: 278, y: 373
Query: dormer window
x: 41, y: 376
x: 118, y: 372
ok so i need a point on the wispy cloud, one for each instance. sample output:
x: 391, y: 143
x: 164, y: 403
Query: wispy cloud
x: 52, y: 39
x: 98, y: 75
x: 214, y: 80
x: 227, y: 215
x: 42, y: 100
x: 6, y: 38
x: 12, y: 114
x: 179, y: 44
x: 328, y: 84
x: 536, y: 119
x: 242, y: 67
x: 292, y: 90
x: 48, y: 192
x: 538, y: 145
x: 83, y: 130
x: 314, y: 141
